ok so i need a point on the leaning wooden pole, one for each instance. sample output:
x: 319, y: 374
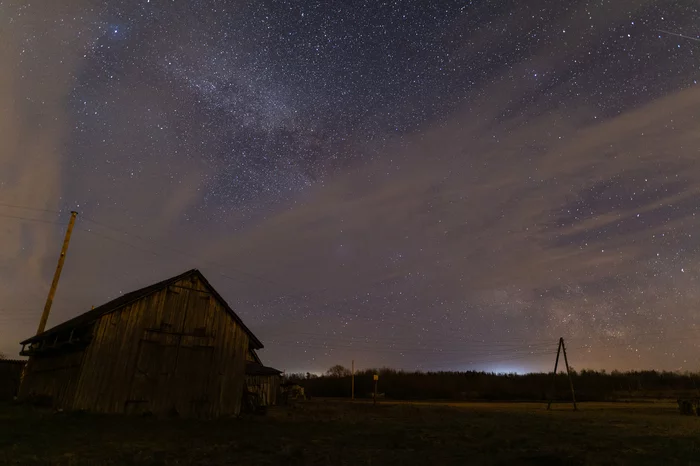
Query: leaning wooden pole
x: 56, y: 275
x: 554, y: 375
x: 568, y: 372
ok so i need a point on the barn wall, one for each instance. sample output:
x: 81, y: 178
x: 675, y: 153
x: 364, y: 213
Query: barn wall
x: 105, y: 381
x: 177, y: 350
x: 53, y: 377
x: 267, y: 386
x: 10, y: 375
x: 224, y: 389
x: 274, y: 389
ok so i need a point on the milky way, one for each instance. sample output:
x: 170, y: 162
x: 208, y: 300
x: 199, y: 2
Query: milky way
x: 432, y: 185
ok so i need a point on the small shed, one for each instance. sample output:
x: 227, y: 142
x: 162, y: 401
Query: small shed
x: 10, y: 377
x: 174, y: 347
x: 261, y: 380
x: 265, y: 381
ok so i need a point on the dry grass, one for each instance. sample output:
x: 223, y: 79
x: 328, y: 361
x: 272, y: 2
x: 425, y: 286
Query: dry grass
x: 341, y: 433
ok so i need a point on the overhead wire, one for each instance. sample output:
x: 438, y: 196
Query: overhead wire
x: 36, y: 209
x: 392, y: 339
x: 304, y: 297
x: 536, y: 347
x: 484, y: 357
x: 299, y: 297
x: 186, y: 254
x: 38, y: 220
x: 483, y: 351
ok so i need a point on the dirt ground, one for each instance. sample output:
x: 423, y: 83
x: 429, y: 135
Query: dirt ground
x: 332, y: 432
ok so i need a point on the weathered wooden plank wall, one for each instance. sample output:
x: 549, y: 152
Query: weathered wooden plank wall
x: 10, y: 376
x: 177, y: 350
x: 275, y: 381
x: 224, y: 390
x: 267, y: 386
x: 52, y: 377
x: 105, y: 379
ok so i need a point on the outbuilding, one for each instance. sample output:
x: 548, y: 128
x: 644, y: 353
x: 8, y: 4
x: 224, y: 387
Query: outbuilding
x: 262, y: 381
x: 174, y: 347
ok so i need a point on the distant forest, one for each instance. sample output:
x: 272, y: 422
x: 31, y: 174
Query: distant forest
x: 589, y: 385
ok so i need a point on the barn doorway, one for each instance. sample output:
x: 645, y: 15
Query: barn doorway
x: 174, y: 361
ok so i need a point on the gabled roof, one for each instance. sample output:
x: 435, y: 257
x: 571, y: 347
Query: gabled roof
x: 128, y: 298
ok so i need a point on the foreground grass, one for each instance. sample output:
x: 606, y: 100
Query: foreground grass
x: 341, y: 433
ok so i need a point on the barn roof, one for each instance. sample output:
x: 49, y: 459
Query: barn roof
x: 253, y: 368
x: 128, y: 298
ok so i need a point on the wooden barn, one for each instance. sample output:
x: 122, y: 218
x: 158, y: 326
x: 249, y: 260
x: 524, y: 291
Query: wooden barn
x: 262, y: 381
x: 10, y: 376
x: 175, y: 347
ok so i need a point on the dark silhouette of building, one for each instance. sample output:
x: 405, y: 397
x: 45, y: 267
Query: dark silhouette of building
x: 175, y: 347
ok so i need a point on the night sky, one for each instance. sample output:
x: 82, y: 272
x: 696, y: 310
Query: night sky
x: 413, y: 184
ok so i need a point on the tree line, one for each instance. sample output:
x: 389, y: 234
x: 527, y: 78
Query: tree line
x: 590, y: 385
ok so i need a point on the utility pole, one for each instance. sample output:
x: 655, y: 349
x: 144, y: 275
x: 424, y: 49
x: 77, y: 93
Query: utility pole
x: 554, y: 375
x: 57, y: 274
x: 562, y: 348
x: 568, y: 372
x: 376, y: 378
x: 352, y: 379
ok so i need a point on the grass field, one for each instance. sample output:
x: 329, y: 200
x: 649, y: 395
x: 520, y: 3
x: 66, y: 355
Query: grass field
x: 342, y: 433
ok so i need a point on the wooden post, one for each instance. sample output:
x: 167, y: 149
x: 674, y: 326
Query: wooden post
x: 554, y: 375
x: 352, y: 381
x: 57, y: 275
x: 568, y: 372
x: 376, y: 378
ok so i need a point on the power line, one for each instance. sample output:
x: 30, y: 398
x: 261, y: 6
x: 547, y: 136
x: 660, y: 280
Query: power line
x: 184, y: 253
x: 500, y: 348
x: 425, y: 351
x: 502, y: 342
x: 100, y: 235
x: 487, y: 338
x: 39, y: 220
x: 302, y: 298
x: 502, y: 355
x: 408, y: 339
x: 305, y: 298
x: 626, y: 345
x: 15, y: 206
x: 218, y: 265
x: 476, y: 351
x: 478, y: 357
x: 298, y: 296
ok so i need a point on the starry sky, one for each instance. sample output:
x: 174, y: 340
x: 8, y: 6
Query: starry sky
x: 433, y: 185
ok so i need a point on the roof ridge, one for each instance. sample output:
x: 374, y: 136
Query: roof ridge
x: 128, y: 298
